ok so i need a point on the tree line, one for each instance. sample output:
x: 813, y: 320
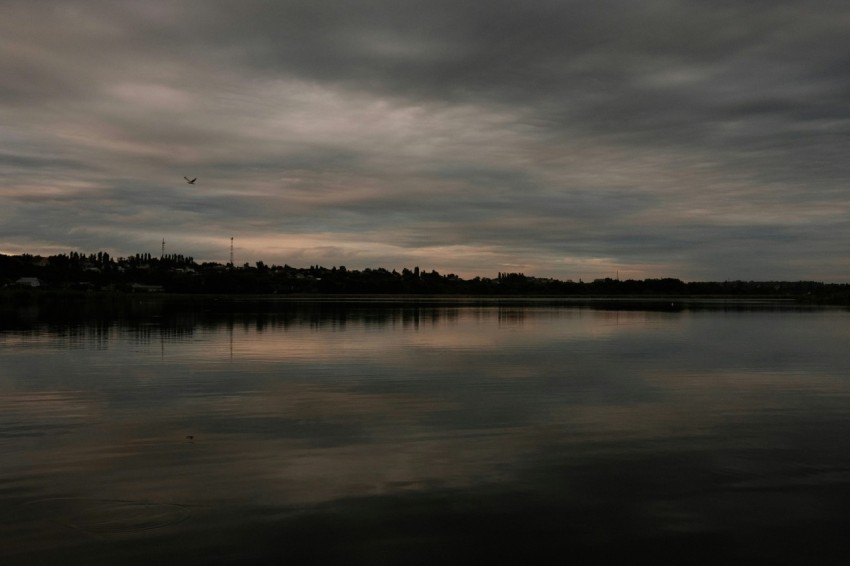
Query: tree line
x: 176, y: 273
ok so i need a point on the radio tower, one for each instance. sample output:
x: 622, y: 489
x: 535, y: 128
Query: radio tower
x: 231, y: 251
x: 163, y: 249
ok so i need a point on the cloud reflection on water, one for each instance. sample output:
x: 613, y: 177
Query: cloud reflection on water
x: 612, y: 414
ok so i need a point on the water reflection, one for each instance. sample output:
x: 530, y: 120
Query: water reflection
x: 410, y: 433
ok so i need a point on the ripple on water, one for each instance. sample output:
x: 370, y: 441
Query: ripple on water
x: 110, y: 516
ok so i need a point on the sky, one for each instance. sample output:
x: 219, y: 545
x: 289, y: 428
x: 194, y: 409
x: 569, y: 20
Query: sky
x: 697, y: 139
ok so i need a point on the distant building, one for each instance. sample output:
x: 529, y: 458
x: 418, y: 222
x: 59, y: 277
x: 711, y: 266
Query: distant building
x: 28, y: 282
x: 141, y: 288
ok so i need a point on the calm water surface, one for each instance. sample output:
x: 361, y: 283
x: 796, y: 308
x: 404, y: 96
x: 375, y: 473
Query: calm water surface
x: 426, y: 433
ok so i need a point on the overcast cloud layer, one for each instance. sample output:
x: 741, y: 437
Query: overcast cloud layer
x: 705, y: 140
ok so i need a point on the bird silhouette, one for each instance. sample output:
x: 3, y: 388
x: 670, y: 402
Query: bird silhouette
x: 190, y: 181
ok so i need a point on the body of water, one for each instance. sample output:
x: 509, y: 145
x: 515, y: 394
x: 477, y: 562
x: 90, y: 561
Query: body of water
x: 426, y: 433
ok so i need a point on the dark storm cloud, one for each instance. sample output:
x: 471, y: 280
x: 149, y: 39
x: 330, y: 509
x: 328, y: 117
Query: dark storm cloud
x: 555, y: 136
x: 675, y: 57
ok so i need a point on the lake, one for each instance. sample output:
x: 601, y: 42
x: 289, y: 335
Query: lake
x: 424, y: 432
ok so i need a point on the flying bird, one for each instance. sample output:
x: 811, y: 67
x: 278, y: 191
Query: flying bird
x: 190, y: 181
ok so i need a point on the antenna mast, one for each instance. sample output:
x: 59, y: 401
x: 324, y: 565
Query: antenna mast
x: 162, y: 255
x: 231, y: 251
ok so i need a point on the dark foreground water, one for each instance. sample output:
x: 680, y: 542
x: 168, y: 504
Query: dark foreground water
x: 431, y: 433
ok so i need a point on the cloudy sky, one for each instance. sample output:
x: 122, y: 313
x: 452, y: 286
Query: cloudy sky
x: 699, y: 139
